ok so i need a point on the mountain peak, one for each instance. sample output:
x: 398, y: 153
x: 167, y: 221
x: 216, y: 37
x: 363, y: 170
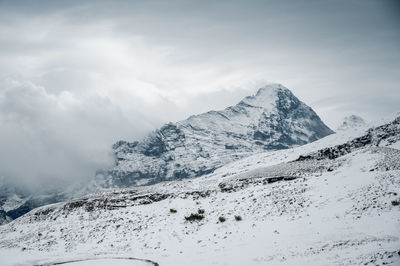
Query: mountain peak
x: 265, y: 97
x: 272, y: 97
x: 269, y: 89
x: 352, y: 121
x: 271, y: 119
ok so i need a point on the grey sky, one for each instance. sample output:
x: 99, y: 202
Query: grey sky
x: 75, y: 76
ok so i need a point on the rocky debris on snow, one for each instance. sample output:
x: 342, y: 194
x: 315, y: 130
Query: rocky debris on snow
x: 383, y: 135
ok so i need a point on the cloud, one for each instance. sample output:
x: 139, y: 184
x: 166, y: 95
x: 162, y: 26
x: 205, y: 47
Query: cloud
x: 45, y: 136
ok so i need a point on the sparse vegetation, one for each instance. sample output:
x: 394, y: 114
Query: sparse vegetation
x: 221, y: 219
x: 194, y: 217
x: 238, y: 217
x: 201, y: 211
x: 396, y: 202
x: 172, y: 210
x: 90, y: 207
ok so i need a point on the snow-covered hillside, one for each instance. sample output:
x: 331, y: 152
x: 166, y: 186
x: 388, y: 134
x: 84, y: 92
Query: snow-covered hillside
x: 335, y: 201
x: 272, y: 119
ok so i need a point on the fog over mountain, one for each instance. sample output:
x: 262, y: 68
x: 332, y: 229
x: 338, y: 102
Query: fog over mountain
x: 76, y: 76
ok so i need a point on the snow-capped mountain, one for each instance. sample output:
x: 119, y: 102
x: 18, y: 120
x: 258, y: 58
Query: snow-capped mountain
x: 331, y: 202
x: 272, y: 119
x: 352, y: 121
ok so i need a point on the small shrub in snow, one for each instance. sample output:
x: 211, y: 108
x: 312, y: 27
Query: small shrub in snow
x: 90, y: 207
x: 172, y: 210
x: 395, y: 202
x: 201, y: 211
x: 194, y: 217
x: 238, y: 217
x: 221, y: 219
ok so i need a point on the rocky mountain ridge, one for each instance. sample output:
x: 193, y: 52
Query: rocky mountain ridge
x: 272, y: 119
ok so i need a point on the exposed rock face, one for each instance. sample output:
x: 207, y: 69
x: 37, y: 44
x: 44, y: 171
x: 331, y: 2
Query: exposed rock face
x: 272, y: 119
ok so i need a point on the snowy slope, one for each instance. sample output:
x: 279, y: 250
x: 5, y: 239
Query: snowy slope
x: 297, y: 207
x: 272, y: 119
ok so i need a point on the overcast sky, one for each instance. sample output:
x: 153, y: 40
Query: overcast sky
x: 75, y: 76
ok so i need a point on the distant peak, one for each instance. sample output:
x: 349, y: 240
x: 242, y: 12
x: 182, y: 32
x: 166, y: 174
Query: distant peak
x: 352, y: 121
